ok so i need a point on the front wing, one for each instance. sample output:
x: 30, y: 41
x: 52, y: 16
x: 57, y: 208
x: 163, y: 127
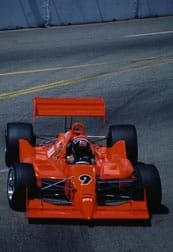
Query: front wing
x: 126, y: 210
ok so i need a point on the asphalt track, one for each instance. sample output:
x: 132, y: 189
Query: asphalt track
x: 130, y: 65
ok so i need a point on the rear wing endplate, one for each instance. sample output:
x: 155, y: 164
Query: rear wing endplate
x: 69, y: 107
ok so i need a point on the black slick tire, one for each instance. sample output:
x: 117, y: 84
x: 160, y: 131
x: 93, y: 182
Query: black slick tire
x: 14, y: 132
x: 21, y: 183
x: 150, y: 178
x: 129, y: 135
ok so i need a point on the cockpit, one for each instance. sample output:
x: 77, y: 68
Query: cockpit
x: 79, y: 151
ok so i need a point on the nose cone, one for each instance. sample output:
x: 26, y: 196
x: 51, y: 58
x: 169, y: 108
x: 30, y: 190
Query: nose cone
x: 87, y: 207
x: 85, y: 184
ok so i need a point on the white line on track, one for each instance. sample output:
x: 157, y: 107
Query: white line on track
x: 3, y: 170
x: 148, y: 34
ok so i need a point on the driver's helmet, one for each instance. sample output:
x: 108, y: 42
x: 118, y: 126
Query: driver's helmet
x: 81, y: 149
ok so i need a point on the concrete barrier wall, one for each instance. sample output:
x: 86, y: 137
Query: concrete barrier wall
x: 73, y: 12
x: 39, y: 13
x: 154, y: 8
x: 116, y: 9
x: 20, y: 14
x: 81, y: 11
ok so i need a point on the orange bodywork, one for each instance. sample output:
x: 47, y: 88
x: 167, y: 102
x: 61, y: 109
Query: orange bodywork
x: 80, y: 180
x: 68, y: 107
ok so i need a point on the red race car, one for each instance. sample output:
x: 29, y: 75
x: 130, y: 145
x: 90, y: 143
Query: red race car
x: 75, y: 177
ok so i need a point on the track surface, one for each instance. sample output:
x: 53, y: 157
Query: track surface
x: 128, y: 63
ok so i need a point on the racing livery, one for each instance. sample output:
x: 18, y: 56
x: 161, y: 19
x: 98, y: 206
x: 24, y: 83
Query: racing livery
x: 73, y: 176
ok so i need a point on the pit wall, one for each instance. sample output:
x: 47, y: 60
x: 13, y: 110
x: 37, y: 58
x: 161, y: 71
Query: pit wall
x: 42, y: 13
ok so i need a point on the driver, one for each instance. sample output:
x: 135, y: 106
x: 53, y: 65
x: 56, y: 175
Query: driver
x: 78, y: 151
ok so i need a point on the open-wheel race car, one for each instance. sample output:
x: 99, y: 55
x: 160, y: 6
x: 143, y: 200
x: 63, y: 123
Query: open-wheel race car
x: 73, y: 176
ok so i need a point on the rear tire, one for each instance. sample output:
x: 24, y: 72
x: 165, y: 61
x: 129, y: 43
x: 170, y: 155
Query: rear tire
x: 20, y: 177
x: 129, y: 135
x: 14, y: 132
x: 152, y: 184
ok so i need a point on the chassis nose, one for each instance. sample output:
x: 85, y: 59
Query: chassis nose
x: 87, y: 207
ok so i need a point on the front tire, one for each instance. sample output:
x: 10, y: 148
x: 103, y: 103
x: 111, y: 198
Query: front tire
x: 21, y: 178
x: 152, y: 184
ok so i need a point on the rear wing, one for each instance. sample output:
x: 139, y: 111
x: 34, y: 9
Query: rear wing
x: 69, y: 107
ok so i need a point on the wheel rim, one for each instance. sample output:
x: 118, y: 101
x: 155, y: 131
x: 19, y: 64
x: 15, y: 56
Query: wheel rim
x: 11, y: 184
